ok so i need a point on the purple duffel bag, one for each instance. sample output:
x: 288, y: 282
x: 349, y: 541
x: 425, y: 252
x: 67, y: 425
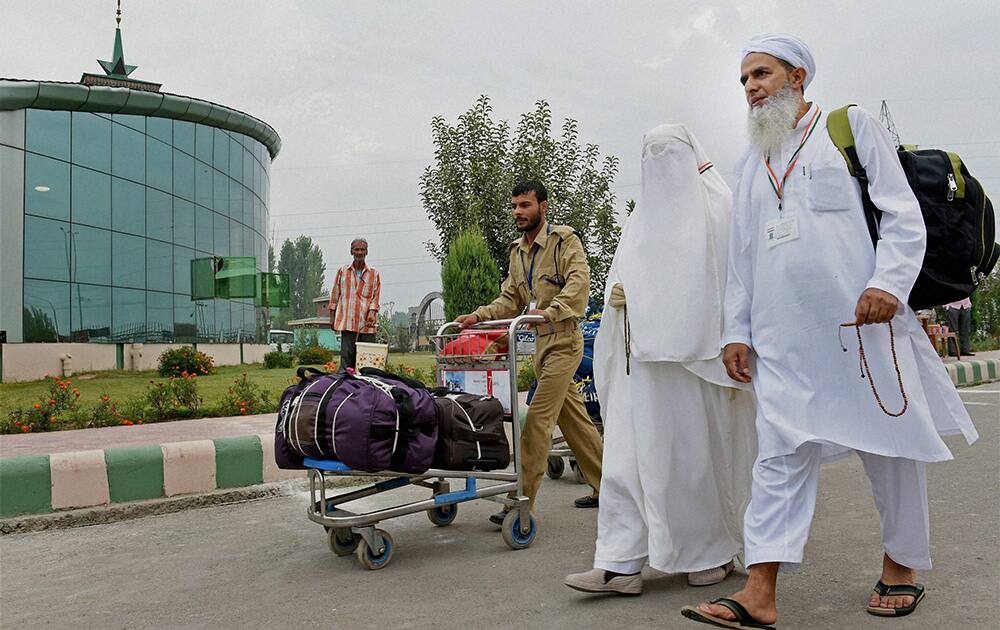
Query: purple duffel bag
x: 370, y: 422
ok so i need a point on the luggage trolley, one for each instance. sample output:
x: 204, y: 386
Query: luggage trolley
x: 356, y: 533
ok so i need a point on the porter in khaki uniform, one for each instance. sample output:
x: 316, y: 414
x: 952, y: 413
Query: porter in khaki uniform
x: 552, y: 275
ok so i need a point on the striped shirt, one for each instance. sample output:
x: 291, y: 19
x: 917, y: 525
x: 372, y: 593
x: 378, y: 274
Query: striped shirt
x: 352, y: 298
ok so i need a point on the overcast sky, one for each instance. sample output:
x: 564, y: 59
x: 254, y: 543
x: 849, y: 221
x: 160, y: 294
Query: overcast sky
x: 351, y: 87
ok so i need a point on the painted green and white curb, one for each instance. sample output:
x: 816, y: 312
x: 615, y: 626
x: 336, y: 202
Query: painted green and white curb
x: 974, y: 372
x: 40, y: 484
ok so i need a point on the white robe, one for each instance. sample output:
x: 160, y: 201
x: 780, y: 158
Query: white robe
x: 678, y: 439
x: 787, y: 302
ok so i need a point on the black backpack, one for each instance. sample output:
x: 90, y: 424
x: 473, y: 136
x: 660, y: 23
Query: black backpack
x: 961, y: 248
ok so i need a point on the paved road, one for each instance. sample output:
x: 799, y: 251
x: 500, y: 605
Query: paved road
x: 263, y: 565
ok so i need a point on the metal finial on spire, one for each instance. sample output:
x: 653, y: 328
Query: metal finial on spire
x: 117, y: 68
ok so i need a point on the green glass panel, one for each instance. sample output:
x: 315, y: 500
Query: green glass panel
x: 235, y: 201
x: 131, y: 120
x: 159, y: 315
x: 159, y: 213
x: 184, y: 223
x: 46, y: 187
x: 221, y: 236
x: 91, y: 197
x: 248, y: 207
x: 128, y: 313
x: 159, y: 165
x: 204, y: 137
x: 221, y: 154
x: 128, y: 261
x: 92, y: 141
x: 204, y: 230
x: 248, y: 164
x: 220, y: 193
x: 182, y: 271
x: 203, y: 278
x: 235, y: 320
x: 47, y: 132
x: 183, y: 175
x: 128, y: 153
x: 128, y: 206
x: 236, y: 160
x: 222, y: 312
x: 46, y: 311
x: 184, y: 136
x: 46, y: 249
x: 248, y: 249
x: 161, y: 128
x: 185, y: 324
x: 235, y: 277
x: 205, y: 314
x: 159, y: 259
x: 274, y: 290
x: 91, y: 250
x: 236, y: 240
x: 203, y: 184
x: 90, y: 312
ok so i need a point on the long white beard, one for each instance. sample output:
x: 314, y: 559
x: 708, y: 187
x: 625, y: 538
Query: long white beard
x: 770, y: 124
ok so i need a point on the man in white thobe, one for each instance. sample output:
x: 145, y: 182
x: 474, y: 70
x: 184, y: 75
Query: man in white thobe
x: 801, y: 263
x: 678, y: 438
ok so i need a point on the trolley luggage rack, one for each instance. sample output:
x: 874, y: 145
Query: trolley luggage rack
x: 356, y: 533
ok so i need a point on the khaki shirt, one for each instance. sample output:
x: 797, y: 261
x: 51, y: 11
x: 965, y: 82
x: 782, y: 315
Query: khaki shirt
x: 560, y: 277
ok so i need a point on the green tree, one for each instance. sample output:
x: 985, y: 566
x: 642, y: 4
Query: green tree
x: 477, y: 162
x: 302, y: 260
x: 469, y: 276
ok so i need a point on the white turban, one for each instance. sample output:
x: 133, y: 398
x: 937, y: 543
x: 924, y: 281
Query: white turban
x: 788, y: 48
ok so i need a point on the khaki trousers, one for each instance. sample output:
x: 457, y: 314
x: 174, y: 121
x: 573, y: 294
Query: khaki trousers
x: 558, y: 401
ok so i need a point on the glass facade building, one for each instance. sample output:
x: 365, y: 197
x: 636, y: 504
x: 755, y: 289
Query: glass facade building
x: 113, y: 208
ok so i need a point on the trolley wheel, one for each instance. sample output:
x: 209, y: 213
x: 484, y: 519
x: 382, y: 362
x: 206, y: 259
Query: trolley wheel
x: 444, y: 515
x: 369, y: 559
x: 556, y: 467
x: 511, y: 530
x: 342, y: 540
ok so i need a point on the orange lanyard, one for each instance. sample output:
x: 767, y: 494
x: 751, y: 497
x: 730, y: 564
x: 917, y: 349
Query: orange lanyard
x: 779, y: 186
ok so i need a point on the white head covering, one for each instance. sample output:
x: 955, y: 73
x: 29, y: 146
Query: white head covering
x: 788, y: 48
x: 671, y: 259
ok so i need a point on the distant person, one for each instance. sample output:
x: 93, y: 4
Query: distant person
x: 960, y: 322
x: 801, y: 264
x: 678, y: 436
x: 354, y: 304
x: 548, y: 276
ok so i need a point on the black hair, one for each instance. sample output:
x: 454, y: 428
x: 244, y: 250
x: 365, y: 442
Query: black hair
x: 531, y: 185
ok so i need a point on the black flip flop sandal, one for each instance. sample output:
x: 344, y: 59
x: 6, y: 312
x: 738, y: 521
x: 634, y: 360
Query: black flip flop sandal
x: 887, y: 590
x: 743, y: 617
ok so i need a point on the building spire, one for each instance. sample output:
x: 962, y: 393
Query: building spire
x: 117, y: 68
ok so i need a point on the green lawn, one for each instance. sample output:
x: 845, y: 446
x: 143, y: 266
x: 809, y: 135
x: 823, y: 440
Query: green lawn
x: 120, y: 385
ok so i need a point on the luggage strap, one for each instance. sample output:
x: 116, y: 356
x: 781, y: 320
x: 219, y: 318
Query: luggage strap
x: 405, y: 414
x: 838, y: 125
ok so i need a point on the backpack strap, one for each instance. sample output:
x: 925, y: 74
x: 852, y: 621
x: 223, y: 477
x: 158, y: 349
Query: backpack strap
x: 838, y: 125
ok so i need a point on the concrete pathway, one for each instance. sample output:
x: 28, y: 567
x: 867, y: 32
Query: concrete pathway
x: 264, y: 565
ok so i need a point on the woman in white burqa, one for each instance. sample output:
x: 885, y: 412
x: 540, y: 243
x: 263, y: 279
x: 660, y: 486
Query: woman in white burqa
x: 679, y: 441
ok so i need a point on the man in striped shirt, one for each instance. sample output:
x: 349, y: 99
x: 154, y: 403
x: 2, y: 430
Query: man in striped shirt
x: 354, y: 303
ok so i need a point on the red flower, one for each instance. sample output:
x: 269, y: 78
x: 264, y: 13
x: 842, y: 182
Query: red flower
x: 51, y: 402
x: 37, y: 406
x: 25, y: 428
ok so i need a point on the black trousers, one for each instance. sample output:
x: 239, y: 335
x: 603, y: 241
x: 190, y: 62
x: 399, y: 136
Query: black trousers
x: 960, y: 321
x: 349, y: 347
